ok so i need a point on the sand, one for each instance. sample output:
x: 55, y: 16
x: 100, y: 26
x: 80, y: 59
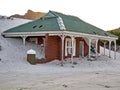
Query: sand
x: 17, y: 74
x: 60, y: 81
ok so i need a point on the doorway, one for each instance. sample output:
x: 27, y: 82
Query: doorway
x: 81, y: 49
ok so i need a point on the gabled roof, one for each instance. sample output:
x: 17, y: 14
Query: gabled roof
x: 54, y: 21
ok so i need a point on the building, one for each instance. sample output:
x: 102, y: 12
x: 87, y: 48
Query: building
x: 63, y: 36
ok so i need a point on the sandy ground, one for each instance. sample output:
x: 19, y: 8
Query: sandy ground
x: 17, y: 74
x: 62, y: 81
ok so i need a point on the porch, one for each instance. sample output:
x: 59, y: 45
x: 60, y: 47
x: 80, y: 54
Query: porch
x: 59, y: 46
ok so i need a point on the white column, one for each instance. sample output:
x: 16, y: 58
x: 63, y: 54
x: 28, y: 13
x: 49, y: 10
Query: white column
x: 62, y: 51
x: 96, y: 47
x: 72, y: 48
x: 104, y: 46
x: 114, y: 49
x: 24, y: 38
x: 109, y: 49
x: 89, y: 46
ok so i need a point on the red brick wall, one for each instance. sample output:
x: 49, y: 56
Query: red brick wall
x: 86, y: 48
x: 98, y: 46
x: 40, y: 40
x: 77, y: 46
x: 52, y: 48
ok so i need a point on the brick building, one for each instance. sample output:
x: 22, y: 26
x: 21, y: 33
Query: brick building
x: 63, y: 36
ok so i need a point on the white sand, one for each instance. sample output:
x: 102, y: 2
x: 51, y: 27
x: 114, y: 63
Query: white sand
x: 61, y: 81
x: 17, y: 74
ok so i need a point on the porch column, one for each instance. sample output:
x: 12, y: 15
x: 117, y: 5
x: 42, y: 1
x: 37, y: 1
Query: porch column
x: 62, y: 52
x: 114, y: 49
x: 89, y: 46
x: 104, y: 46
x: 110, y: 49
x: 24, y: 38
x: 96, y: 47
x: 72, y: 48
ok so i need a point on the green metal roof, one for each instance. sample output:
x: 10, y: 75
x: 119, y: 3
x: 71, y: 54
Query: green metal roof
x: 49, y: 22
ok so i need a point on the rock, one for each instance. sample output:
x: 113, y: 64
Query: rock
x: 30, y: 15
x: 64, y: 85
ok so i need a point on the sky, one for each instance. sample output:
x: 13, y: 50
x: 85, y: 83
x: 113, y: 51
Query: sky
x: 104, y: 14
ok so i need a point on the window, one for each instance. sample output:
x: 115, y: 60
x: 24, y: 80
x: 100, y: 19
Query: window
x: 40, y: 26
x: 34, y: 26
x: 68, y: 47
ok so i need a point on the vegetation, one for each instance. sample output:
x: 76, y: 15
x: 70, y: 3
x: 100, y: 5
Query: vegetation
x: 117, y: 33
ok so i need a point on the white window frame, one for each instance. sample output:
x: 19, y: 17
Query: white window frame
x: 68, y: 47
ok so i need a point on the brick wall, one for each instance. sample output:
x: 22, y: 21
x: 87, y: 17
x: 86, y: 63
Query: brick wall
x: 98, y: 46
x: 40, y: 40
x: 52, y: 48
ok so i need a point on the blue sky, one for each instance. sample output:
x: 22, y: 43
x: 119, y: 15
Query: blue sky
x: 104, y: 14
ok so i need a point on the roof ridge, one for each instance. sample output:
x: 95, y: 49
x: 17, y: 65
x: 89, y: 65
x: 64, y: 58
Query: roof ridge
x: 61, y: 23
x: 53, y: 12
x: 59, y: 20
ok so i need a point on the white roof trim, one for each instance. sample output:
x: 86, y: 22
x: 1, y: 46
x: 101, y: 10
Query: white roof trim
x: 52, y: 33
x: 91, y: 36
x: 61, y: 23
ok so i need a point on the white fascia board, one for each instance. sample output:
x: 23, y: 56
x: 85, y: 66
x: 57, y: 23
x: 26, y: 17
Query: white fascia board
x: 53, y: 33
x: 90, y: 36
x: 18, y: 34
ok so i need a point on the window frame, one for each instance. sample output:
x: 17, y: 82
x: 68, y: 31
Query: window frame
x: 68, y: 47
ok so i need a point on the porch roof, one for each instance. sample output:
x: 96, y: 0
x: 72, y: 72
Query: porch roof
x: 50, y: 22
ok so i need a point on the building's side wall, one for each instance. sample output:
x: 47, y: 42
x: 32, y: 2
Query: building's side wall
x: 40, y: 40
x: 98, y: 46
x: 52, y: 47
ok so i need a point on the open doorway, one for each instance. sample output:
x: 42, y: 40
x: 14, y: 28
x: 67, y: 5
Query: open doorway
x: 81, y: 49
